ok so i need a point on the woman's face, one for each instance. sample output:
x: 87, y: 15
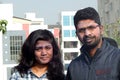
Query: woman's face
x: 43, y: 52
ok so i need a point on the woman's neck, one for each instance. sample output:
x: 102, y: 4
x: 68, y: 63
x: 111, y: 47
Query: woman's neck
x: 39, y: 70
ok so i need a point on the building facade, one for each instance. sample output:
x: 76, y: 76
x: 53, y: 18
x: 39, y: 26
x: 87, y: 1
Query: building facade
x: 70, y: 44
x: 19, y: 28
x: 109, y: 11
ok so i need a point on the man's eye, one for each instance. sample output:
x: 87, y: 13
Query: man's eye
x: 91, y: 27
x: 81, y: 30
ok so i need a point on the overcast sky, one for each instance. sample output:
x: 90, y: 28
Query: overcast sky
x: 48, y: 9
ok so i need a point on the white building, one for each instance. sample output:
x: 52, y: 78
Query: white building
x: 6, y: 12
x: 70, y: 43
x: 36, y: 23
x: 10, y: 43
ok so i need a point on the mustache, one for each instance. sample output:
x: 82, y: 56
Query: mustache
x: 87, y: 37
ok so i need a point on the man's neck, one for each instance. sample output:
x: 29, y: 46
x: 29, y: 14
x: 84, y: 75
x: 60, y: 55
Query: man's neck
x: 93, y: 51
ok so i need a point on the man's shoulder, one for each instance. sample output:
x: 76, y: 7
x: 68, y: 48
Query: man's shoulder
x: 116, y: 50
x: 114, y: 53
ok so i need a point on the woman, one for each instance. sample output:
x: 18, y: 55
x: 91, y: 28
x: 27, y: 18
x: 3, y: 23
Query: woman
x: 40, y: 58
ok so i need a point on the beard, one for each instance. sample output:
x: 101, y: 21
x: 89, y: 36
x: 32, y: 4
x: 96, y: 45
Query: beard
x: 91, y: 41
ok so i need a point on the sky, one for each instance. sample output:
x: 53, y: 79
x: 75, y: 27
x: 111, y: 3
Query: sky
x: 50, y: 10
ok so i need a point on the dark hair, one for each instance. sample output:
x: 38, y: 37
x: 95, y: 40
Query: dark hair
x: 55, y: 67
x: 86, y: 13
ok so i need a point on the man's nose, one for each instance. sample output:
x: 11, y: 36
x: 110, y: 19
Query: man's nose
x: 87, y: 32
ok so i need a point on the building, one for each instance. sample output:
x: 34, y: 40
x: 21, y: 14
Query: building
x: 56, y: 30
x: 18, y: 30
x: 4, y: 63
x: 70, y: 44
x: 109, y: 11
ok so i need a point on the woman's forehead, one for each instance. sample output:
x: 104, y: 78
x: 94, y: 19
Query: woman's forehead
x: 43, y: 42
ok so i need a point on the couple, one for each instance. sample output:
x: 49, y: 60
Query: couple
x: 41, y: 57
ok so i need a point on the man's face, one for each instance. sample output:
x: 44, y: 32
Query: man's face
x: 43, y: 52
x: 89, y: 32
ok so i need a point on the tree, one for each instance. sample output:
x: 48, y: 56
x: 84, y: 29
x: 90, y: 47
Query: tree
x: 113, y: 31
x: 3, y: 24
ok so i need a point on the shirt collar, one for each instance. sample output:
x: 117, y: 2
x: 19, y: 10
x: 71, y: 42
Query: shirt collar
x: 44, y: 75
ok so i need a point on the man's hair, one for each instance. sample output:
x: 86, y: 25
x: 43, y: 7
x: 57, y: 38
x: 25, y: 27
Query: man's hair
x: 55, y: 66
x: 86, y: 13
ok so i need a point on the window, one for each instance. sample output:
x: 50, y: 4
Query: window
x: 15, y: 47
x: 72, y: 23
x: 66, y: 33
x: 70, y: 55
x: 73, y: 33
x: 70, y: 44
x: 66, y: 66
x: 12, y: 43
x: 66, y: 21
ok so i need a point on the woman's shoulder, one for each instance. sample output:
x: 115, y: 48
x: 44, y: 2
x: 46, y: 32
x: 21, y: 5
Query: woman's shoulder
x: 15, y: 75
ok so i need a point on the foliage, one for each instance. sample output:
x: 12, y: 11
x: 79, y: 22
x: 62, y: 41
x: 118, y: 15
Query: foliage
x: 3, y: 24
x: 113, y: 31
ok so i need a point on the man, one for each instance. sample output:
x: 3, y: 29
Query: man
x: 40, y: 58
x: 98, y: 60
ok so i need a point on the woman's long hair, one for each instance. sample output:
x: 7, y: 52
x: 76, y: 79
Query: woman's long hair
x: 27, y: 60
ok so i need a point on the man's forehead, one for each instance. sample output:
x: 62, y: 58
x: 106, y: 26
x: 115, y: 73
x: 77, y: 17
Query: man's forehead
x: 86, y: 23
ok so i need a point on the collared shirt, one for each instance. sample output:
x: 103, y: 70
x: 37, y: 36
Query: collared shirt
x: 29, y: 76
